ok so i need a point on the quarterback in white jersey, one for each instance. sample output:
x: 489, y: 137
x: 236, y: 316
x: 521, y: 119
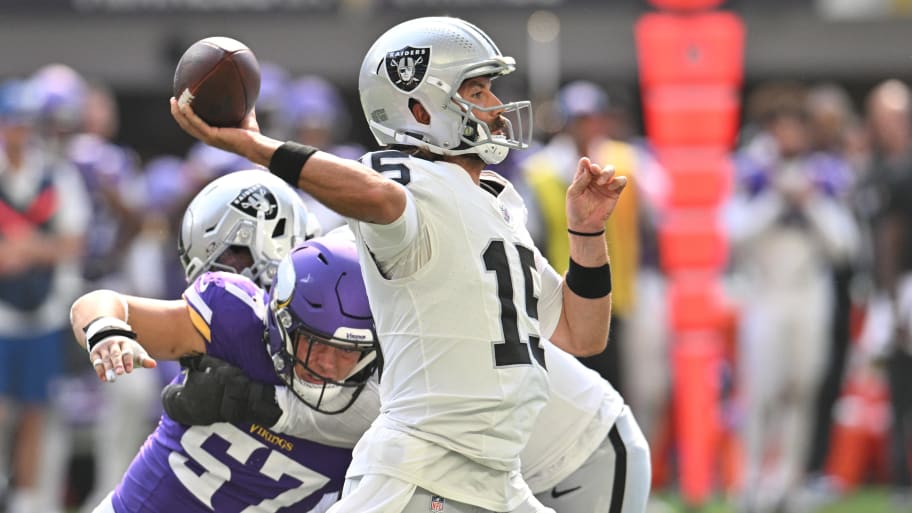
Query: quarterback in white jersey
x: 462, y: 385
x: 450, y: 270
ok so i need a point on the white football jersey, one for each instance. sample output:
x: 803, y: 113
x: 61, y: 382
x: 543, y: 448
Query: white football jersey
x: 337, y: 430
x: 456, y: 299
x: 579, y: 414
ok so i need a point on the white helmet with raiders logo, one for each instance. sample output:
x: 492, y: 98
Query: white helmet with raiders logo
x: 244, y: 222
x: 426, y: 60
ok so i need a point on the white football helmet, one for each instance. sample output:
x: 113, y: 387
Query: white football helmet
x: 426, y: 60
x: 250, y: 209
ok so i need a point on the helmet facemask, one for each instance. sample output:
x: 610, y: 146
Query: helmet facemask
x: 478, y: 137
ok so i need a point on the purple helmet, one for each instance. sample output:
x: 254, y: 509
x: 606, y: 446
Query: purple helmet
x: 62, y: 93
x: 206, y: 163
x: 166, y: 183
x: 318, y: 301
x: 101, y: 162
x: 315, y: 103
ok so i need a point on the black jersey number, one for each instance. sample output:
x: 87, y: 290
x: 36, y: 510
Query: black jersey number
x: 513, y: 350
x: 391, y: 163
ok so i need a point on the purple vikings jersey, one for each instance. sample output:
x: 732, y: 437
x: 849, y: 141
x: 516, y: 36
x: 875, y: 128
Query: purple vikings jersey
x: 225, y: 467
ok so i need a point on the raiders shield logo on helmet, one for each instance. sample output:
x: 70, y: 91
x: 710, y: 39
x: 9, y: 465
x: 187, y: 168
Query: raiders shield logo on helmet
x: 406, y: 67
x: 255, y: 199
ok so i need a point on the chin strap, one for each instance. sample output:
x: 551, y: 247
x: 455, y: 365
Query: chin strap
x: 491, y: 153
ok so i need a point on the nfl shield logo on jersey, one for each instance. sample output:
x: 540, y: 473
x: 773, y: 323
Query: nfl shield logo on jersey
x: 437, y: 503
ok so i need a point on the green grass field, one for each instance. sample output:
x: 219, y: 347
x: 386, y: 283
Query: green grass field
x: 868, y: 500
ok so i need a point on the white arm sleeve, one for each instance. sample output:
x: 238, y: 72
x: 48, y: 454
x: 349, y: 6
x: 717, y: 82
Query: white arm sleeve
x: 388, y: 240
x: 401, y: 247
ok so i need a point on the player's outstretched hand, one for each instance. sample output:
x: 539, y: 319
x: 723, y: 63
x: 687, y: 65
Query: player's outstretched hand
x: 213, y: 391
x: 592, y: 196
x: 116, y: 356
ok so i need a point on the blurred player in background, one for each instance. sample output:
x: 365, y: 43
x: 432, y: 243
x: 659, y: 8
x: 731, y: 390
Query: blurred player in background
x: 788, y: 231
x: 111, y: 175
x: 44, y: 216
x: 61, y: 93
x: 835, y: 129
x: 888, y: 218
x: 318, y: 117
x: 81, y: 119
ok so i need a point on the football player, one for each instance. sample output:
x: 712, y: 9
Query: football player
x: 313, y: 334
x: 464, y: 297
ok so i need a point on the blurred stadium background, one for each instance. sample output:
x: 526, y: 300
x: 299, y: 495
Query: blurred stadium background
x: 132, y: 46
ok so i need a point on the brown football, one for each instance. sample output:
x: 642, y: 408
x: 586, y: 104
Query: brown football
x: 220, y: 77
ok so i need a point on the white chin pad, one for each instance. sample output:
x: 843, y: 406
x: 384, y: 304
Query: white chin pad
x: 492, y: 153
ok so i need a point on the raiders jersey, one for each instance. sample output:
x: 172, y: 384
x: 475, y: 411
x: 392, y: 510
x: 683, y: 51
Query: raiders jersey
x: 460, y: 300
x: 226, y: 467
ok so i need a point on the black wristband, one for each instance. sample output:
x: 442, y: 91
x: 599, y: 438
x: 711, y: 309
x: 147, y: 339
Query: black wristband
x: 85, y: 329
x: 589, y: 282
x: 109, y: 332
x: 288, y: 159
x: 586, y: 234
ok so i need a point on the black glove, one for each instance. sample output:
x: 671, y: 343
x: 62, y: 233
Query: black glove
x: 216, y: 391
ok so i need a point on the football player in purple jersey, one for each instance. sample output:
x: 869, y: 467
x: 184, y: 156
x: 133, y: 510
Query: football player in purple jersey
x: 313, y: 333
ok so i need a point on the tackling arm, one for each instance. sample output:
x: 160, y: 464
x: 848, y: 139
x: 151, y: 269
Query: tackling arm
x: 162, y: 328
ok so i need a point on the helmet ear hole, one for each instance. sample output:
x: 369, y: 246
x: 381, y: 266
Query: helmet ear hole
x: 279, y: 230
x: 420, y: 114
